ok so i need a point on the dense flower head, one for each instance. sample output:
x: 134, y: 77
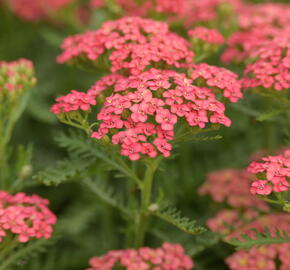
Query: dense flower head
x: 206, y: 11
x: 81, y: 101
x: 141, y: 112
x: 16, y: 76
x: 272, y: 67
x: 265, y: 256
x: 35, y: 10
x: 263, y: 38
x: 264, y: 15
x: 257, y: 24
x: 232, y: 224
x: 272, y: 174
x: 132, y: 43
x: 131, y: 7
x: 207, y: 35
x: 167, y: 257
x: 73, y: 101
x: 25, y: 217
x: 218, y: 78
x: 232, y: 186
x: 261, y: 258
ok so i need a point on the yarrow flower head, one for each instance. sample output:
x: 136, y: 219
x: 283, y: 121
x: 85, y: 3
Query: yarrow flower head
x: 272, y: 67
x: 32, y: 10
x: 257, y: 24
x: 16, y: 77
x: 131, y: 44
x: 208, y: 11
x: 232, y: 186
x: 143, y: 111
x: 219, y: 79
x: 25, y: 217
x: 265, y: 256
x: 169, y: 256
x: 132, y: 7
x: 272, y: 174
x: 233, y: 225
x: 207, y: 35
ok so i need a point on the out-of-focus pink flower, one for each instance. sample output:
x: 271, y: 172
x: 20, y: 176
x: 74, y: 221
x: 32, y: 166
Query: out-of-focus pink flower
x: 207, y: 35
x: 34, y: 10
x: 132, y: 43
x: 232, y: 186
x: 273, y: 174
x: 27, y: 217
x: 169, y: 256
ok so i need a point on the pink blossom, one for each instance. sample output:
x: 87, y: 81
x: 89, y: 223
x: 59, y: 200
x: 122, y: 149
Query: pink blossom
x: 31, y: 10
x: 207, y: 35
x: 273, y: 170
x: 169, y: 256
x: 144, y: 109
x: 261, y: 187
x: 133, y: 43
x: 25, y: 216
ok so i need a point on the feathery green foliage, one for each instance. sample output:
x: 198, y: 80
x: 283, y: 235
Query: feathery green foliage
x: 264, y: 238
x: 30, y: 250
x: 173, y: 216
x: 107, y: 194
x: 63, y: 171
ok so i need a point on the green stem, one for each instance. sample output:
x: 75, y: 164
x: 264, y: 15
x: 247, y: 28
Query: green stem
x: 3, y: 166
x: 269, y: 128
x: 143, y: 217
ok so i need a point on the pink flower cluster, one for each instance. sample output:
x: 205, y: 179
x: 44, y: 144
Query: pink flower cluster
x: 207, y: 35
x: 143, y: 110
x: 261, y: 258
x: 132, y: 7
x: 232, y: 225
x: 205, y: 11
x: 35, y: 10
x: 272, y: 68
x: 167, y: 257
x: 16, y: 76
x: 25, y: 216
x: 132, y: 44
x: 75, y: 100
x: 218, y: 78
x: 272, y: 174
x: 231, y: 186
x: 263, y: 37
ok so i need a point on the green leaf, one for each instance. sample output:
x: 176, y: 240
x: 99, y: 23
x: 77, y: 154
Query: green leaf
x: 261, y: 238
x: 174, y: 217
x: 106, y: 193
x: 83, y: 147
x: 63, y: 171
x: 27, y: 251
x: 269, y: 115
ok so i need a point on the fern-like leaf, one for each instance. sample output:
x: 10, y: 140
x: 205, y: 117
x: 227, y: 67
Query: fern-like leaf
x: 63, y: 171
x: 106, y: 193
x: 174, y: 217
x: 261, y: 238
x: 27, y: 252
x: 82, y: 147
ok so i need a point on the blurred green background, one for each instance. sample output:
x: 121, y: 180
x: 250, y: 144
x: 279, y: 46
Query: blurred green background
x: 91, y: 227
